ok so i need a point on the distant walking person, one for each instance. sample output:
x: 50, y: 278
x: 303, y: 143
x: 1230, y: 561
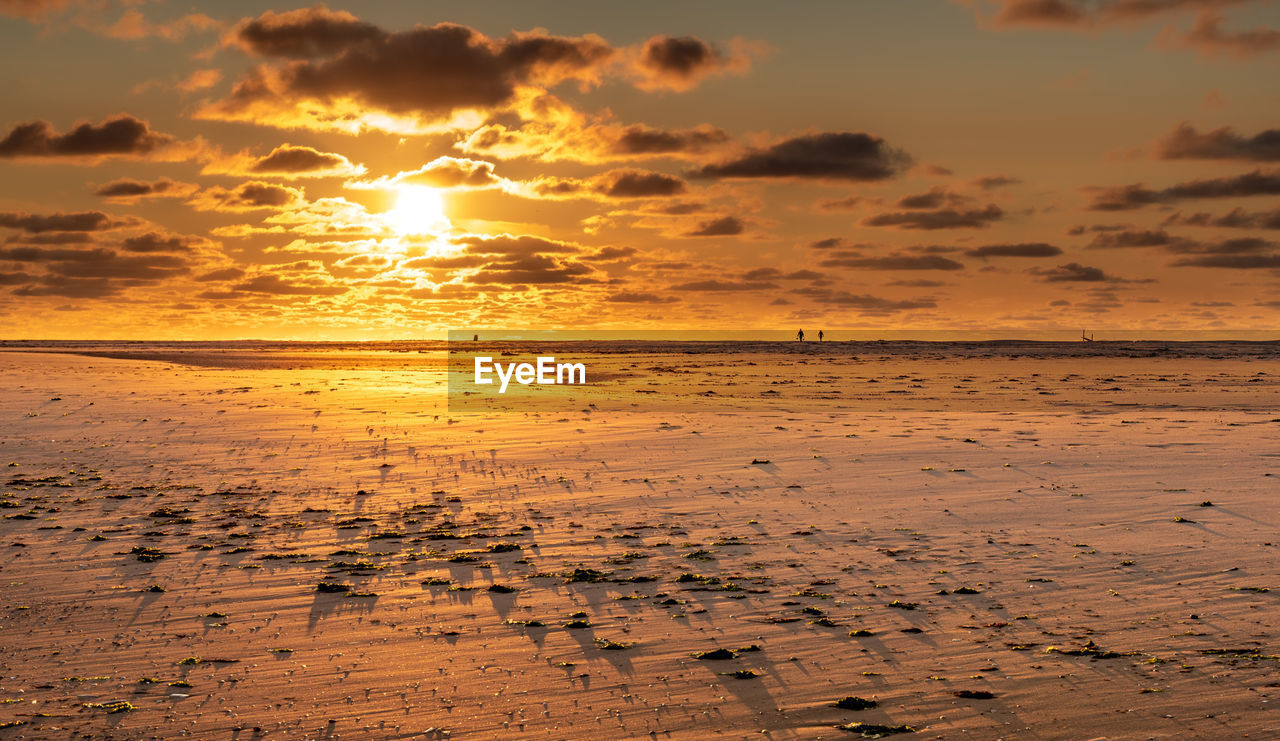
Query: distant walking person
x: 819, y: 335
x: 800, y: 336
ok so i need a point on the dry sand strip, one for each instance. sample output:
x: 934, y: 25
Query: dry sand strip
x: 320, y: 552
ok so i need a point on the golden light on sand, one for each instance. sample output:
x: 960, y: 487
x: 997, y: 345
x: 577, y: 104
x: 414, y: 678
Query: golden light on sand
x: 418, y: 210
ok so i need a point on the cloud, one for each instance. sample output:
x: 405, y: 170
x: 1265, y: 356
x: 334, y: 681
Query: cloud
x: 303, y: 33
x: 516, y: 246
x: 1241, y: 245
x: 250, y: 196
x: 1209, y: 38
x: 120, y: 136
x: 1237, y: 218
x: 638, y: 184
x: 940, y: 219
x: 894, y: 262
x: 288, y: 161
x: 199, y: 80
x: 328, y: 69
x: 269, y: 283
x: 725, y: 226
x: 1233, y: 261
x: 1085, y: 14
x: 163, y: 242
x: 681, y: 62
x: 453, y: 173
x: 1074, y: 272
x: 1137, y: 195
x: 126, y: 190
x: 221, y: 274
x: 628, y: 297
x: 864, y: 303
x: 1132, y: 238
x: 32, y: 10
x: 848, y: 203
x: 717, y: 286
x: 991, y: 182
x: 622, y: 183
x: 935, y: 197
x: 1184, y: 142
x: 611, y: 254
x: 1025, y: 249
x: 574, y: 140
x: 133, y: 26
x: 826, y: 156
x: 533, y: 270
x: 80, y: 221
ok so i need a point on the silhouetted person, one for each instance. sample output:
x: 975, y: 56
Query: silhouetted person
x: 800, y: 336
x: 819, y: 335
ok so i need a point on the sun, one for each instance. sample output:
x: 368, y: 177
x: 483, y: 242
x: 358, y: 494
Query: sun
x: 418, y: 210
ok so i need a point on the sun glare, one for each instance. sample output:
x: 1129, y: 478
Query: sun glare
x: 418, y: 210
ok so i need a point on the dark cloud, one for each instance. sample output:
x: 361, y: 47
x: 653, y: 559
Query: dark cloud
x: 249, y: 196
x: 1184, y: 142
x: 681, y: 62
x: 1253, y: 183
x: 288, y: 160
x: 1132, y: 238
x: 1137, y: 195
x: 725, y: 226
x: 126, y: 190
x: 1241, y: 245
x: 14, y: 279
x: 848, y: 203
x: 221, y: 274
x: 343, y: 69
x: 1024, y: 249
x: 1237, y: 218
x: 776, y: 274
x: 158, y: 242
x: 865, y: 303
x: 638, y: 184
x: 628, y: 297
x: 533, y: 270
x: 60, y: 285
x: 611, y: 254
x: 826, y: 156
x: 1088, y: 14
x: 941, y: 219
x: 54, y: 254
x: 723, y: 285
x: 894, y: 262
x: 303, y: 33
x: 991, y: 182
x: 1235, y: 261
x: 80, y: 221
x: 138, y: 268
x: 640, y: 139
x: 932, y: 198
x: 1074, y: 272
x: 272, y: 284
x: 119, y: 136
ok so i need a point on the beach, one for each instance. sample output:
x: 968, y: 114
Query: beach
x: 1034, y: 541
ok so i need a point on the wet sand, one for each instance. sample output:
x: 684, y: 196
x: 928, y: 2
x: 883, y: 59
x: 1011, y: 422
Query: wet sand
x: 306, y: 548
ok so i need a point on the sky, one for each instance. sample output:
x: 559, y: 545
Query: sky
x: 387, y: 170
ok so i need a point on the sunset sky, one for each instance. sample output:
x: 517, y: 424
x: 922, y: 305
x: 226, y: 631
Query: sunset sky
x: 176, y: 170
